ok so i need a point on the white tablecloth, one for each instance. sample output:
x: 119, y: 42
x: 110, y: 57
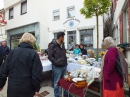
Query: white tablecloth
x: 46, y: 65
x: 73, y: 66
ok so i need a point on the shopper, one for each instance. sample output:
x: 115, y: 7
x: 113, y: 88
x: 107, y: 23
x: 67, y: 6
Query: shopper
x: 23, y: 69
x: 83, y: 50
x: 57, y: 55
x: 112, y: 79
x: 4, y: 51
x: 77, y: 50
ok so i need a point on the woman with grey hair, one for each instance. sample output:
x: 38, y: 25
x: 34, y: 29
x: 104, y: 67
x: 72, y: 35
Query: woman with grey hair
x: 23, y: 69
x: 112, y: 79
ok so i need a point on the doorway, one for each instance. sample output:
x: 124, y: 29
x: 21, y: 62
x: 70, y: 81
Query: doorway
x: 71, y: 37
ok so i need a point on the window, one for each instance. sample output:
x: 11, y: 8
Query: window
x: 24, y: 7
x: 56, y: 15
x: 71, y: 12
x: 86, y: 37
x: 55, y: 35
x: 11, y: 12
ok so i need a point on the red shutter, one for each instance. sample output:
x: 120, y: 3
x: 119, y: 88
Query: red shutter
x: 129, y: 19
x: 114, y: 4
x: 121, y: 27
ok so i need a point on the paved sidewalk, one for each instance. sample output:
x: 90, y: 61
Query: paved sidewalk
x: 3, y: 93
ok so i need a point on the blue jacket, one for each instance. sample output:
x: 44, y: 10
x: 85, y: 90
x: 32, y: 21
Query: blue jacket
x: 4, y: 50
x: 76, y: 51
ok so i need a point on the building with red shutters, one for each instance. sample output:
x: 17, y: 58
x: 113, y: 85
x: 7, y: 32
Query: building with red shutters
x: 120, y: 16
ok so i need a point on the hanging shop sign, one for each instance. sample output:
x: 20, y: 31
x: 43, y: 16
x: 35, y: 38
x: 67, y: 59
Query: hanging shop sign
x: 16, y: 36
x: 2, y: 21
x: 71, y: 23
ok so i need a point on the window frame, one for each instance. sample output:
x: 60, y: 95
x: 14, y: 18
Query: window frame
x: 53, y: 14
x: 69, y: 9
x: 25, y: 2
x: 11, y: 9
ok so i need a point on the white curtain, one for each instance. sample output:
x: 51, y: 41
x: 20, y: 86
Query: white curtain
x: 71, y: 12
x: 11, y: 12
x: 56, y: 15
x: 24, y: 8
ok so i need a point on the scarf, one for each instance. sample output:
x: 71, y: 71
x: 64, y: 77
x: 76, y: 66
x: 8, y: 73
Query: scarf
x: 124, y: 65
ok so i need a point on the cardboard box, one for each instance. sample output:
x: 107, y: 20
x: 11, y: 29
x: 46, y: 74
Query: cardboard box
x: 91, y: 53
x: 104, y: 47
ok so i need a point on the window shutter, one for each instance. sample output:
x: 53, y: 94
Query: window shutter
x: 115, y: 4
x: 121, y: 27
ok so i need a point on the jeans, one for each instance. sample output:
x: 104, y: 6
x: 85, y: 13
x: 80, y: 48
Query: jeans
x: 58, y: 73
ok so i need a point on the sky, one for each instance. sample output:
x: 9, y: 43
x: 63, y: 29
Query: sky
x: 1, y: 4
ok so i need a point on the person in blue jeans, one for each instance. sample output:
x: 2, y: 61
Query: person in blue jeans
x: 77, y: 50
x: 57, y: 55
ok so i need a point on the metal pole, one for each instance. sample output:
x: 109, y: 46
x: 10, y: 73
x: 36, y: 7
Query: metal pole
x: 97, y: 34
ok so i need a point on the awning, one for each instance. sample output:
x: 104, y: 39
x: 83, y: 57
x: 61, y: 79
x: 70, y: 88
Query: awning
x: 56, y: 31
x: 86, y: 27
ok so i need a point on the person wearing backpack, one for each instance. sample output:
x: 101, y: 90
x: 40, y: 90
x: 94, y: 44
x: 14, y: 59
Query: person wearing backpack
x: 57, y: 55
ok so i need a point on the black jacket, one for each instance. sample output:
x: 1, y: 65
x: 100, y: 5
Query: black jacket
x: 84, y: 51
x: 57, y: 55
x: 4, y: 50
x: 24, y: 71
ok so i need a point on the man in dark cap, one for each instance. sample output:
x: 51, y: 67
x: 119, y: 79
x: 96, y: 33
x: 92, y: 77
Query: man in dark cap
x: 57, y: 55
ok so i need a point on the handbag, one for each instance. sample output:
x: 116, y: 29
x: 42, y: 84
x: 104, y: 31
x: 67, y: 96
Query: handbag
x: 118, y: 66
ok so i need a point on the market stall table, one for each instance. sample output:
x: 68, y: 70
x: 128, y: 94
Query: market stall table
x: 69, y: 86
x: 47, y: 66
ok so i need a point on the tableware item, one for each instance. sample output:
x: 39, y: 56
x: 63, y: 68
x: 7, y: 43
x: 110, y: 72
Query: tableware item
x: 77, y: 79
x: 93, y: 74
x: 81, y: 84
x: 97, y: 69
x: 66, y: 76
x: 70, y: 60
x: 90, y: 60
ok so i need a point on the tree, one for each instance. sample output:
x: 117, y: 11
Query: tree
x: 108, y: 28
x: 95, y: 8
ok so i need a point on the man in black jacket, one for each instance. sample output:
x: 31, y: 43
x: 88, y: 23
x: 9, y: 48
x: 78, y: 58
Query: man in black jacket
x: 57, y: 55
x: 4, y: 51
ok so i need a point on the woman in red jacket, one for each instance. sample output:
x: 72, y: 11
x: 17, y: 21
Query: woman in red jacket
x: 112, y: 80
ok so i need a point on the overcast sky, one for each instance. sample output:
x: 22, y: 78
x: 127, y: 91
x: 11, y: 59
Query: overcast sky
x: 1, y: 4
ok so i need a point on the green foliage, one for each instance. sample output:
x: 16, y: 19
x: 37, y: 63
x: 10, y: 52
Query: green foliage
x: 35, y: 46
x: 95, y: 7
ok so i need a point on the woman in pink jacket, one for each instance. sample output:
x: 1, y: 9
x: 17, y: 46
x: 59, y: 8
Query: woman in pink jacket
x: 112, y: 80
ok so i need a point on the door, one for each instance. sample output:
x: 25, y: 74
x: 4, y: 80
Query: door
x: 71, y: 39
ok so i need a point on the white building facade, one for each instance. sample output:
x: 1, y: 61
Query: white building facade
x: 45, y: 18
